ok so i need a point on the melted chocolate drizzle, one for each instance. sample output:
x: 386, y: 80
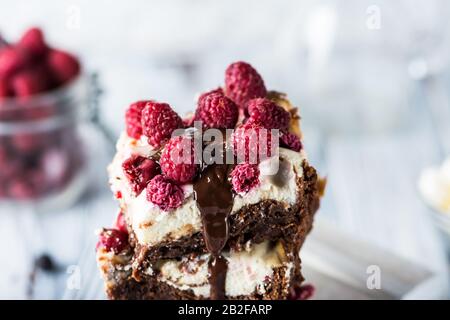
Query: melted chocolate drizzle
x: 218, y: 267
x: 215, y: 201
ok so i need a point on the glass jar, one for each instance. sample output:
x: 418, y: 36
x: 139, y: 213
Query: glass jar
x: 42, y: 157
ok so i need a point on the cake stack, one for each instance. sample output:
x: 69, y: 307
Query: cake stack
x: 206, y: 210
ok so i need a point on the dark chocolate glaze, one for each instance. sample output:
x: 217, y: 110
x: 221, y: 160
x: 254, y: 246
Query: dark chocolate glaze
x: 215, y: 201
x: 218, y: 267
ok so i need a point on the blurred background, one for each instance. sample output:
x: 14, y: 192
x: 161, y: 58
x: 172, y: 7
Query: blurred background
x: 371, y: 79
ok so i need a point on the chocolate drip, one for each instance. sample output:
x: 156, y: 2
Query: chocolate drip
x: 215, y: 201
x: 218, y: 267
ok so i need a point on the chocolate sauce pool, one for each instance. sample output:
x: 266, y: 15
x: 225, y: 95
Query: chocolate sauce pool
x: 215, y: 200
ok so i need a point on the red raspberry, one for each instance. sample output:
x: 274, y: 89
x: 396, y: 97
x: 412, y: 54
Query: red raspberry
x: 5, y: 88
x: 30, y: 82
x: 113, y: 240
x: 244, y: 177
x: 243, y: 83
x: 291, y: 141
x: 158, y: 122
x: 12, y: 59
x: 268, y: 114
x: 304, y: 292
x: 218, y: 90
x: 216, y: 111
x: 177, y: 159
x: 164, y: 193
x: 120, y: 223
x: 33, y: 41
x: 133, y: 119
x: 252, y: 143
x: 63, y: 66
x: 139, y: 171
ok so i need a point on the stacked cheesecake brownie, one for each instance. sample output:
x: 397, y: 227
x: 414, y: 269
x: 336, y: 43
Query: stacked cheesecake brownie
x: 206, y: 210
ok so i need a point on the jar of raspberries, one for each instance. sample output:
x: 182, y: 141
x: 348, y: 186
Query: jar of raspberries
x: 42, y: 94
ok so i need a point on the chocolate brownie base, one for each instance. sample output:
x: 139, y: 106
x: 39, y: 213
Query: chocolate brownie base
x: 266, y: 220
x: 150, y: 289
x: 121, y: 285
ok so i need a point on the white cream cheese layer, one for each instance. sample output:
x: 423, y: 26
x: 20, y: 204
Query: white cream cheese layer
x: 247, y: 271
x: 153, y: 225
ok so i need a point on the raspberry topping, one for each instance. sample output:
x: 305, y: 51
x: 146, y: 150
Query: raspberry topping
x: 113, y: 240
x: 243, y: 82
x: 268, y: 114
x: 291, y: 141
x: 139, y: 171
x: 164, y: 193
x: 33, y: 41
x: 216, y: 111
x: 63, y: 66
x: 120, y: 223
x: 252, y: 143
x: 218, y: 90
x: 244, y: 177
x: 133, y: 119
x: 177, y: 160
x: 158, y: 122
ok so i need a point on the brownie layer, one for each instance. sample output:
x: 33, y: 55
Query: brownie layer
x: 150, y: 289
x: 121, y: 285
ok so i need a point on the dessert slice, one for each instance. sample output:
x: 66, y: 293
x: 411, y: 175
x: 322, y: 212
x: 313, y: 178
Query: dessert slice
x: 207, y: 209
